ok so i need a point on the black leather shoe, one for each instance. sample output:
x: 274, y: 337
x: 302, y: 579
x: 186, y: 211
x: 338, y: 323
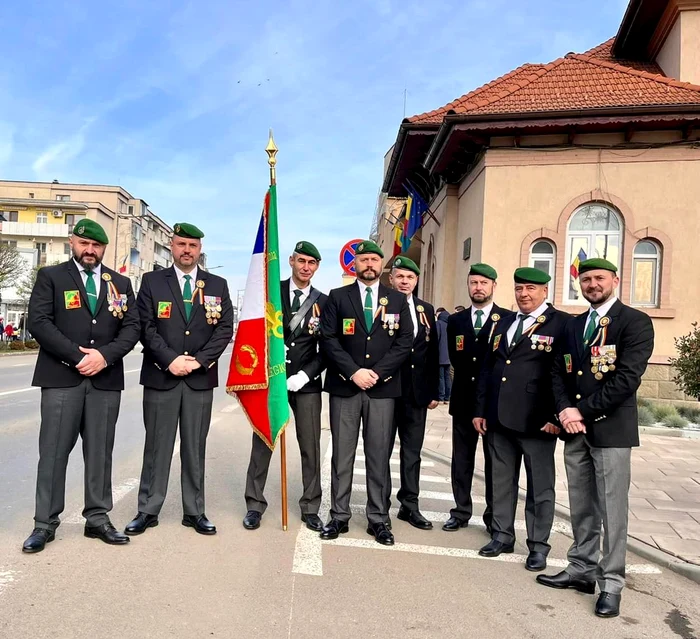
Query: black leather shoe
x: 313, y: 522
x: 107, y: 533
x: 536, y: 561
x: 382, y: 535
x: 140, y: 523
x: 251, y: 521
x: 200, y: 523
x: 564, y: 580
x: 454, y: 523
x: 608, y: 605
x: 495, y: 548
x: 36, y: 542
x: 414, y: 518
x: 334, y: 528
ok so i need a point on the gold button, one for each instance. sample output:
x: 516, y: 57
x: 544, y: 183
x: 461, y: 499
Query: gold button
x: 578, y: 396
x: 413, y: 351
x: 503, y: 379
x: 367, y: 356
x: 368, y: 338
x: 187, y: 332
x: 580, y: 373
x: 472, y: 379
x: 507, y: 361
x: 473, y: 359
x: 412, y: 366
x: 292, y: 344
x: 186, y: 353
x: 94, y: 321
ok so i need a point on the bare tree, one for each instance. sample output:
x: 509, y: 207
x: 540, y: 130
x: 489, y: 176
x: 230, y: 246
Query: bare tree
x: 11, y: 264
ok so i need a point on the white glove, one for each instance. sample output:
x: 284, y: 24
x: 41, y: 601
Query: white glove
x: 297, y: 382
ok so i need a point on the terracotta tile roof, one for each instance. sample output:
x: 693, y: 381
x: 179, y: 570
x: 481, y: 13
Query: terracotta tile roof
x: 604, y: 52
x: 591, y: 80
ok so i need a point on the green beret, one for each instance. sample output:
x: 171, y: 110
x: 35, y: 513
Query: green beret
x: 307, y: 248
x: 483, y: 269
x: 368, y: 246
x: 90, y: 230
x: 528, y: 275
x: 406, y: 263
x: 190, y: 231
x: 596, y: 263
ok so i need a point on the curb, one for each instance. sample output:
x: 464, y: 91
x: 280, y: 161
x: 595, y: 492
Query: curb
x: 655, y: 555
x: 16, y: 353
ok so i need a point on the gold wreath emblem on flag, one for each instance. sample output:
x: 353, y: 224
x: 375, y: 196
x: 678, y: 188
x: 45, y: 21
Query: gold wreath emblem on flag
x: 274, y: 321
x: 246, y: 370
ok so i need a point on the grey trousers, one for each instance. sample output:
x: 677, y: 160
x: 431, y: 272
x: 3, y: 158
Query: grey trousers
x: 162, y: 410
x: 599, y: 482
x: 66, y: 413
x: 307, y: 421
x: 376, y: 416
x: 507, y: 450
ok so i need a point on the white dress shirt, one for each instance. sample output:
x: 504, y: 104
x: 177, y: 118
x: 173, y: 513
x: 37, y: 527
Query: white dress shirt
x: 602, y: 311
x: 181, y: 278
x: 97, y: 277
x: 414, y: 317
x: 529, y: 321
x: 304, y: 292
x: 375, y: 294
x: 487, y: 312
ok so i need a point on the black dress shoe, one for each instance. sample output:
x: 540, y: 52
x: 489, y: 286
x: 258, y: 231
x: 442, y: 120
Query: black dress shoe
x: 313, y: 522
x: 251, y: 521
x: 564, y: 580
x: 381, y: 534
x: 200, y: 523
x: 36, y: 542
x: 107, y: 533
x: 536, y: 561
x: 414, y: 518
x: 495, y: 548
x: 608, y: 605
x: 334, y: 528
x: 140, y: 523
x: 455, y: 523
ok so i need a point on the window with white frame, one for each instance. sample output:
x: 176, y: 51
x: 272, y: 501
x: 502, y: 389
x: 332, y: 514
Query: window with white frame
x: 42, y: 217
x: 63, y: 198
x: 646, y: 273
x: 543, y: 256
x: 595, y: 230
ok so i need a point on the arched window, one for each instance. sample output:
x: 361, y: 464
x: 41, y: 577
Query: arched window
x: 543, y: 256
x: 646, y: 267
x: 595, y: 230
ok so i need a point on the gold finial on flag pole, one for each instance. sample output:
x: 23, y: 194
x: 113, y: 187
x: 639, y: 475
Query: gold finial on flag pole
x: 271, y: 150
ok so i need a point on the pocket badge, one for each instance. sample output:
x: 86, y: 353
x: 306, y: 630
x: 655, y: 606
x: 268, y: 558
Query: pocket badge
x: 460, y: 342
x: 348, y: 327
x: 164, y: 310
x: 71, y: 299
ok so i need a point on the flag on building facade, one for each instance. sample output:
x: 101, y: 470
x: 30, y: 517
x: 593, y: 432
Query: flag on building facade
x: 257, y: 373
x: 580, y: 257
x: 416, y: 207
x: 122, y: 268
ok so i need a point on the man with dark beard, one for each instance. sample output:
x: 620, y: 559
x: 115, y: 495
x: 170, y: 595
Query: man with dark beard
x: 366, y: 334
x: 468, y: 336
x: 597, y: 372
x: 84, y: 317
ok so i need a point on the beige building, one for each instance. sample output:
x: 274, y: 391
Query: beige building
x: 591, y: 155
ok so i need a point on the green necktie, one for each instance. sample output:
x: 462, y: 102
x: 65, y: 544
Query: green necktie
x: 478, y: 324
x: 187, y: 297
x: 296, y: 304
x: 590, y: 328
x: 519, y: 329
x: 91, y: 291
x: 369, y: 314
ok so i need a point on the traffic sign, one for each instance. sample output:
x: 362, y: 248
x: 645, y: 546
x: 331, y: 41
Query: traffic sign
x: 347, y: 257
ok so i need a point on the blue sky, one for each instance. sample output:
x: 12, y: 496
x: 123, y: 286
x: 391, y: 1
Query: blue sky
x: 173, y: 100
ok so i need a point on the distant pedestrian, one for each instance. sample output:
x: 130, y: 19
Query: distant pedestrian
x: 444, y: 376
x: 459, y: 308
x: 2, y: 329
x: 9, y: 332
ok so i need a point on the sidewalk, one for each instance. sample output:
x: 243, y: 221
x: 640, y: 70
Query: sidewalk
x: 664, y: 521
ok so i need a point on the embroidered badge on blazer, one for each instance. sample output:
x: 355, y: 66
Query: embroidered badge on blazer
x: 497, y: 342
x: 71, y: 299
x: 460, y: 342
x: 568, y: 363
x: 164, y: 310
x: 348, y: 327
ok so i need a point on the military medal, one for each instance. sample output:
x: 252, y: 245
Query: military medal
x: 106, y: 277
x: 599, y: 376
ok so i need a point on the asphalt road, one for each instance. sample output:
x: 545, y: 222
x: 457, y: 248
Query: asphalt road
x: 171, y: 582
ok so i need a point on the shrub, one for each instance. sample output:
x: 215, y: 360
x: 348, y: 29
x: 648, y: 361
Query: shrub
x: 643, y: 402
x: 17, y: 346
x: 675, y: 421
x: 646, y: 417
x: 687, y: 364
x: 662, y: 411
x: 31, y: 344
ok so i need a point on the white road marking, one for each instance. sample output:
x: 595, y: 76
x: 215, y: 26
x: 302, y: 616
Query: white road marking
x: 430, y: 479
x: 133, y: 370
x: 19, y: 390
x: 426, y: 494
x: 462, y: 553
x: 396, y: 462
x: 229, y: 408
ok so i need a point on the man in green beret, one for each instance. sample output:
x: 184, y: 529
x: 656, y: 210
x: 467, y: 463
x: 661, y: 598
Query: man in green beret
x: 302, y: 308
x: 84, y: 317
x: 515, y: 410
x: 419, y: 392
x: 597, y: 372
x: 187, y: 323
x: 468, y: 338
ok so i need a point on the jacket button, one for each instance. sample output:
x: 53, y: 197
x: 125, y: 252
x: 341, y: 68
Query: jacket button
x: 92, y: 341
x: 367, y: 356
x: 503, y: 379
x: 473, y: 379
x: 94, y: 321
x: 507, y: 361
x: 413, y: 350
x: 186, y: 353
x: 412, y: 366
x: 578, y: 396
x: 368, y: 338
x: 187, y: 332
x: 473, y: 359
x: 580, y: 373
x: 292, y: 344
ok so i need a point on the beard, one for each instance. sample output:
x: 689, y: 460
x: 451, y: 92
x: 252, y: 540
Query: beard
x: 368, y: 275
x: 96, y: 260
x: 481, y: 298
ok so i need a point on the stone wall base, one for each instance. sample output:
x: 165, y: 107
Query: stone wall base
x: 657, y: 385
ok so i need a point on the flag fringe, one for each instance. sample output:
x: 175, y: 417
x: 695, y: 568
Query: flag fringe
x: 259, y: 433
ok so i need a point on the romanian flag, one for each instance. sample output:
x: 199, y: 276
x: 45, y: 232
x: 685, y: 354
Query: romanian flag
x: 122, y: 268
x: 581, y: 257
x: 398, y: 238
x: 257, y: 373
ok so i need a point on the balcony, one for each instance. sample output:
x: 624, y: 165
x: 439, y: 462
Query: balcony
x: 27, y: 229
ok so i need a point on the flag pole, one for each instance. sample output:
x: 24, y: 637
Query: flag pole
x: 271, y: 150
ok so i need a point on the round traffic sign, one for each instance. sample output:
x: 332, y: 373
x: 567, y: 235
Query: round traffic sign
x: 347, y: 257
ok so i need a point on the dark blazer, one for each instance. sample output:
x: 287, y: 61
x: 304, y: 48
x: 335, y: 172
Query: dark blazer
x: 608, y: 405
x: 419, y: 372
x: 60, y: 330
x: 346, y: 351
x: 166, y: 337
x: 304, y: 351
x: 469, y: 359
x: 515, y: 385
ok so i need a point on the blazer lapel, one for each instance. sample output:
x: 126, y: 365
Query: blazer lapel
x: 75, y: 274
x: 175, y: 288
x: 579, y: 327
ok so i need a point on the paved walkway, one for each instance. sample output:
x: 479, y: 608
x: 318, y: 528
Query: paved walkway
x: 664, y: 496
